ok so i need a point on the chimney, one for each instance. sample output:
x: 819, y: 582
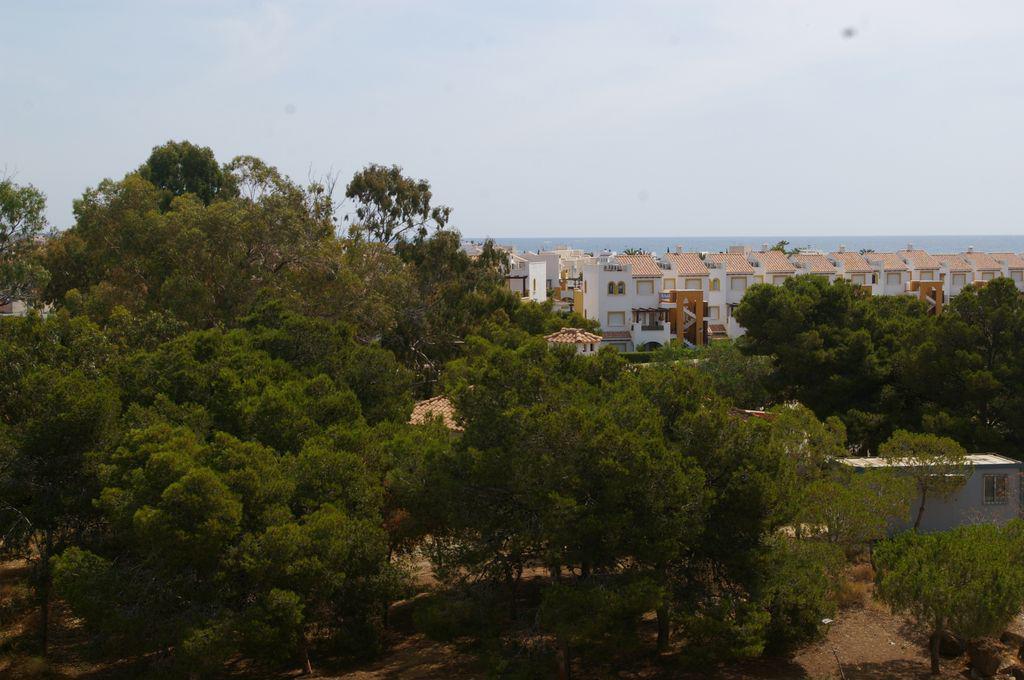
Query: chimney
x: 910, y: 246
x: 842, y: 248
x: 764, y: 247
x: 679, y: 247
x: 970, y: 249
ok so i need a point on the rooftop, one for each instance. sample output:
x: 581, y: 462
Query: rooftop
x: 815, y: 263
x: 774, y: 262
x: 955, y: 263
x: 919, y: 259
x: 981, y: 260
x: 890, y: 261
x: 573, y: 336
x: 435, y: 407
x: 641, y: 266
x: 853, y: 263
x: 975, y: 459
x: 687, y: 264
x: 734, y: 263
x: 1011, y: 260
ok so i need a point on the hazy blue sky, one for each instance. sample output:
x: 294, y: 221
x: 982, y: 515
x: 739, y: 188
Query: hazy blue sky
x: 571, y: 118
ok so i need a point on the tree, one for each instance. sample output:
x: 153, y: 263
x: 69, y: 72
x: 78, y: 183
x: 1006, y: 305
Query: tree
x: 937, y: 465
x: 22, y: 221
x: 58, y: 418
x: 967, y: 580
x: 179, y: 168
x: 391, y: 207
x: 856, y: 509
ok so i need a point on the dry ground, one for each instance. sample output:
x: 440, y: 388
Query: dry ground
x: 870, y: 643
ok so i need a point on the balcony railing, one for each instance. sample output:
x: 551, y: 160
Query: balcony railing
x: 652, y: 327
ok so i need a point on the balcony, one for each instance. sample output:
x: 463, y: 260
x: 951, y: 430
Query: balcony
x: 652, y: 327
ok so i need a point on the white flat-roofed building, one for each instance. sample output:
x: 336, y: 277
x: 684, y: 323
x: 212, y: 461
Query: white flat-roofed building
x: 991, y: 492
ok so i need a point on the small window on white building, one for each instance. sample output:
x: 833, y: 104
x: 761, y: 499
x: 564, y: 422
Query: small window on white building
x: 997, y: 489
x: 857, y: 279
x: 893, y: 279
x: 927, y: 275
x: 616, y: 319
x: 668, y: 283
x: 778, y: 280
x: 758, y: 279
x: 1017, y: 275
x: 713, y: 312
x: 959, y: 279
x: 622, y: 288
x: 645, y: 287
x: 987, y: 276
x: 693, y: 284
x: 611, y: 288
x: 716, y: 284
x: 738, y: 283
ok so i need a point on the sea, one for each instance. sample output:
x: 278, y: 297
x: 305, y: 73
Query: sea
x: 991, y: 243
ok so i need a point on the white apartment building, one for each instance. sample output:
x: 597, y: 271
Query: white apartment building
x: 526, y: 278
x: 1013, y: 267
x: 623, y: 295
x: 729, y: 276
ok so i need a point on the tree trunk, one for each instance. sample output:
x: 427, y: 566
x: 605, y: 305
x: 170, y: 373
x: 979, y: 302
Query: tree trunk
x: 933, y: 646
x: 920, y: 510
x: 663, y: 627
x: 564, y: 662
x: 44, y: 592
x: 512, y: 579
x: 307, y: 666
x: 387, y: 602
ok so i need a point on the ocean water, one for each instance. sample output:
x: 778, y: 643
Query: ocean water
x: 882, y: 243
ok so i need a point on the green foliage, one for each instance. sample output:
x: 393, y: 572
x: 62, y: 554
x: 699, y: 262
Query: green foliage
x: 937, y: 465
x: 967, y: 579
x: 179, y: 168
x: 22, y: 221
x: 390, y: 207
x: 856, y: 509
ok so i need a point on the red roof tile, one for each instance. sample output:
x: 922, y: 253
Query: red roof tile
x: 774, y: 262
x: 573, y: 336
x: 641, y: 266
x: 814, y: 263
x: 853, y: 263
x: 688, y: 264
x: 735, y: 263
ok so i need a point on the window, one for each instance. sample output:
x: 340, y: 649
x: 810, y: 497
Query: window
x: 533, y: 285
x: 893, y: 279
x: 713, y: 313
x: 987, y: 276
x: 611, y: 288
x: 1017, y: 275
x: 997, y: 489
x: 959, y: 279
x: 668, y: 284
x: 927, y: 275
x: 758, y: 279
x: 857, y: 279
x: 778, y: 280
x: 645, y: 287
x: 716, y: 284
x: 616, y: 319
x: 693, y: 284
x: 591, y: 347
x: 738, y: 283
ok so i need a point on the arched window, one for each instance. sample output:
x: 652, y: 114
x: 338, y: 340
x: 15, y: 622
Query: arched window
x: 715, y: 284
x: 622, y: 288
x: 611, y: 288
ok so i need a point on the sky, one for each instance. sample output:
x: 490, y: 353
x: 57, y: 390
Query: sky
x: 567, y: 118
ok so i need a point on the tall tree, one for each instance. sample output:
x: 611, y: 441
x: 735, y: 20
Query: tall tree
x: 22, y: 221
x: 391, y: 207
x: 937, y: 465
x: 179, y: 168
x: 967, y: 580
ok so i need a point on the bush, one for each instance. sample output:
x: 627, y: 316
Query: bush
x: 449, y: 616
x: 637, y: 357
x: 853, y: 593
x: 862, y: 573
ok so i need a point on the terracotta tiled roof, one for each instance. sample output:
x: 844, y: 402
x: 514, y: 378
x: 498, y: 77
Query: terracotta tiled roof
x: 735, y: 263
x: 890, y: 261
x: 853, y: 263
x: 919, y: 259
x: 717, y: 330
x: 573, y: 336
x: 688, y: 264
x: 617, y: 335
x: 435, y: 407
x: 1011, y: 260
x: 774, y: 262
x: 641, y: 266
x: 955, y: 263
x: 981, y: 260
x: 814, y: 263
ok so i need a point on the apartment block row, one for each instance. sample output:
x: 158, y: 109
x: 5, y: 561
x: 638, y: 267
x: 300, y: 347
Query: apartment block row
x: 643, y: 301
